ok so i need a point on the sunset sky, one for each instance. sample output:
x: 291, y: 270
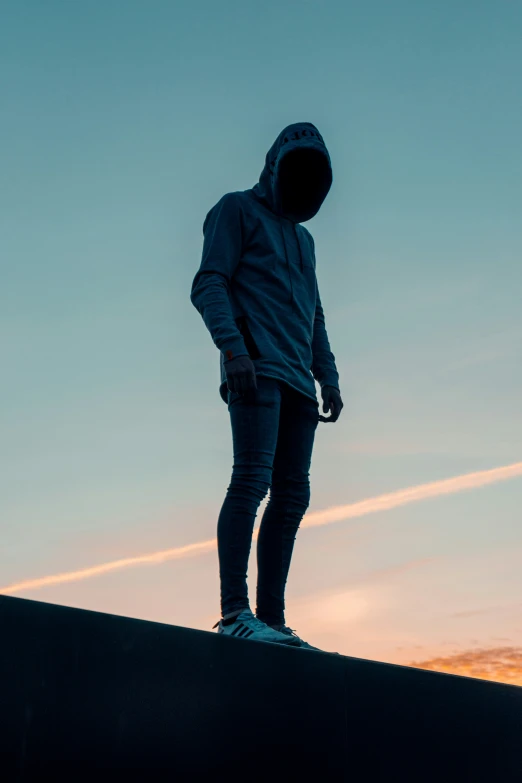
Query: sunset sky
x: 123, y: 123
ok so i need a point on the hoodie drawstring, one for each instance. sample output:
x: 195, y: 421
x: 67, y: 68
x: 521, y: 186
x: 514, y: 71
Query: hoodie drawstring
x: 286, y: 257
x: 286, y: 254
x: 299, y: 246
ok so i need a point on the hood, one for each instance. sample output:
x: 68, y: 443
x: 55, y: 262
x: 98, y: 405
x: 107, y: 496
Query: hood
x: 297, y: 174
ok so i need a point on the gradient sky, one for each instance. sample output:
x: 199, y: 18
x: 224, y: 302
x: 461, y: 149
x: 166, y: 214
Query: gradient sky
x: 123, y: 123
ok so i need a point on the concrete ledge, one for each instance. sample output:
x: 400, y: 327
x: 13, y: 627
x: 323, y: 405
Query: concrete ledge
x: 86, y: 692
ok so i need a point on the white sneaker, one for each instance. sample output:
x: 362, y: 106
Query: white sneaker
x: 248, y: 626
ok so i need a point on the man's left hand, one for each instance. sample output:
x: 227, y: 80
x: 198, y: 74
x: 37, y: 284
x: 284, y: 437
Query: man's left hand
x: 331, y: 402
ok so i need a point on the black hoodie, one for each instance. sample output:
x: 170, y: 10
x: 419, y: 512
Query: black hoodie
x: 256, y: 288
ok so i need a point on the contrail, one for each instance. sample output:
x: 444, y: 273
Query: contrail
x: 334, y: 514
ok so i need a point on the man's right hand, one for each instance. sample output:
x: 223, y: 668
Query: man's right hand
x: 241, y: 374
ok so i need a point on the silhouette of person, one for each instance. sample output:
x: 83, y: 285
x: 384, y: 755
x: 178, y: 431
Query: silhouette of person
x: 258, y: 295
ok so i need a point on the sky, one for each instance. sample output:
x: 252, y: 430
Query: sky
x: 123, y: 124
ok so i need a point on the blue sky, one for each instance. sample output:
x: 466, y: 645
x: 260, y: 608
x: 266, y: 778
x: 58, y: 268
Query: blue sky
x: 123, y: 123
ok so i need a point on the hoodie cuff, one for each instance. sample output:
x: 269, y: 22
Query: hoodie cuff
x: 234, y: 348
x: 333, y: 381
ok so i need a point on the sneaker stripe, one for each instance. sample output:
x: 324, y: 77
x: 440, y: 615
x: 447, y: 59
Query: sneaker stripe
x: 243, y: 631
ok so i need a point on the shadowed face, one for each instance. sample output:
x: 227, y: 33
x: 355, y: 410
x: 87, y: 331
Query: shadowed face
x: 304, y: 179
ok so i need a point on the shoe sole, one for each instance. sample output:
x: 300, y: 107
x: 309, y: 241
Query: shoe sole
x: 266, y: 641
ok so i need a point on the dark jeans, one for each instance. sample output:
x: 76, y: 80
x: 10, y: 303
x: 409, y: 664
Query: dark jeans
x: 273, y: 430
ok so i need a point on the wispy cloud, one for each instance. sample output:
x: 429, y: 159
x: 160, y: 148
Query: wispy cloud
x: 474, y: 612
x: 390, y: 447
x: 327, y: 516
x: 500, y: 664
x: 403, y: 497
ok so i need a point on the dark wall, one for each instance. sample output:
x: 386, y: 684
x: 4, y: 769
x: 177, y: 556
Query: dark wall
x: 84, y: 692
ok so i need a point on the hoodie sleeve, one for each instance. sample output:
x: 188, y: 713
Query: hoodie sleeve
x: 222, y: 243
x: 323, y: 360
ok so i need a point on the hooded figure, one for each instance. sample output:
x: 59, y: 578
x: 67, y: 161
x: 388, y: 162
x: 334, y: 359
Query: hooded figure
x: 256, y: 288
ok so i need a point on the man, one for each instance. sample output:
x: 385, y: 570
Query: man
x: 257, y: 293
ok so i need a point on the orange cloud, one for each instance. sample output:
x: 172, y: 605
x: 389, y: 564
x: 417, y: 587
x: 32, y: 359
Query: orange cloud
x: 385, y: 502
x: 499, y: 664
